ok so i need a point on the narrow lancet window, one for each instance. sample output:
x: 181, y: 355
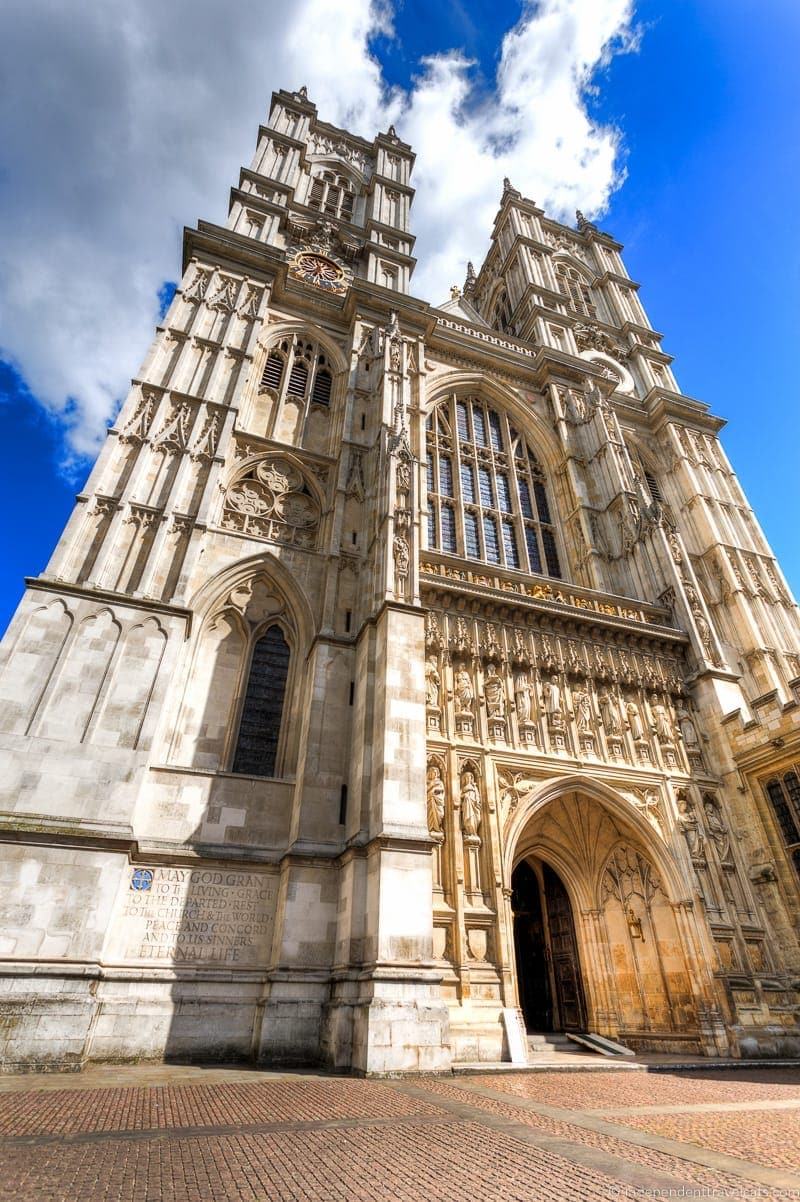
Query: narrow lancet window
x: 260, y: 725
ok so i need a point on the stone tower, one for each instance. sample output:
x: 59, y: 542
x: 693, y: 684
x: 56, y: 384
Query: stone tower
x: 399, y: 667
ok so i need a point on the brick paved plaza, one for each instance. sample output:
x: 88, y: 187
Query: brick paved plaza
x: 178, y: 1134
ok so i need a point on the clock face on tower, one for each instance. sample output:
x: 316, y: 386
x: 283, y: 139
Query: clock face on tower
x: 318, y: 270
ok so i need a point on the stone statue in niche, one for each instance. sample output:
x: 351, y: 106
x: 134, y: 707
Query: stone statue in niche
x: 403, y: 480
x: 704, y: 630
x: 402, y: 559
x: 687, y: 728
x: 436, y: 800
x: 692, y: 833
x: 522, y: 697
x: 717, y: 829
x: 465, y: 694
x: 470, y: 805
x: 432, y: 684
x: 553, y: 702
x: 634, y: 721
x: 675, y: 547
x: 494, y: 691
x: 662, y: 726
x: 583, y: 711
x: 609, y: 714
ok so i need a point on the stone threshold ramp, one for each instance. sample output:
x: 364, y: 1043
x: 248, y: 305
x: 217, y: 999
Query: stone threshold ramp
x: 553, y: 1051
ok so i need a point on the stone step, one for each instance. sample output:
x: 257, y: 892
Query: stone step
x: 552, y: 1041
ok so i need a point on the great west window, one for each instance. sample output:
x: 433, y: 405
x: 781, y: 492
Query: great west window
x: 487, y: 494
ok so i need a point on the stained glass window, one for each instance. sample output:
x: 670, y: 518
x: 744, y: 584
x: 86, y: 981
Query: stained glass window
x: 448, y: 528
x: 490, y: 501
x: 260, y: 724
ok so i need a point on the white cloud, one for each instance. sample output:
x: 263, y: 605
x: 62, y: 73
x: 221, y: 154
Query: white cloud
x: 122, y: 122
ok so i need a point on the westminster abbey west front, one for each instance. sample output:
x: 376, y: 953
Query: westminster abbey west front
x: 400, y: 666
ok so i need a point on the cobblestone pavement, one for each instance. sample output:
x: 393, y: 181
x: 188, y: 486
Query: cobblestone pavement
x: 186, y: 1135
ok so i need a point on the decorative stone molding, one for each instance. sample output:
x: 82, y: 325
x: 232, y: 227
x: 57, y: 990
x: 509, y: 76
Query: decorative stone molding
x: 338, y: 147
x: 271, y: 500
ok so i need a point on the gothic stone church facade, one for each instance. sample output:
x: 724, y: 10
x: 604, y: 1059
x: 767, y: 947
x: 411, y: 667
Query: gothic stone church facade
x: 400, y: 665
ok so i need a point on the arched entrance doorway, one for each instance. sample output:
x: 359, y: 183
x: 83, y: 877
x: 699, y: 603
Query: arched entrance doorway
x: 600, y: 942
x: 546, y: 949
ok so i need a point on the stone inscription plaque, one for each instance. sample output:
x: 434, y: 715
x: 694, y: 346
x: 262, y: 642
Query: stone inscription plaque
x: 197, y: 915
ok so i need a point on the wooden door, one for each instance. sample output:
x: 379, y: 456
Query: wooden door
x: 564, y: 951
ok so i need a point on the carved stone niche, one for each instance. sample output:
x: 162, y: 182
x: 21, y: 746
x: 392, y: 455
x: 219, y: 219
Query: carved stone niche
x: 433, y: 688
x: 470, y: 805
x: 554, y: 705
x: 524, y: 704
x: 494, y: 691
x: 464, y: 698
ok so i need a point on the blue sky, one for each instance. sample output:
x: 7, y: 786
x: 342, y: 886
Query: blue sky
x: 708, y: 114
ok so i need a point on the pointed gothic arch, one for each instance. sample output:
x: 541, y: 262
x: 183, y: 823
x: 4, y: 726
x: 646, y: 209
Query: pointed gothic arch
x: 617, y: 805
x: 234, y: 610
x: 500, y: 310
x: 489, y: 496
x: 636, y: 944
x: 517, y: 405
x: 575, y: 283
x: 295, y: 386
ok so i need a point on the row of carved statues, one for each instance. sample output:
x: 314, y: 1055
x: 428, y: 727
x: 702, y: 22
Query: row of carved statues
x: 497, y: 691
x: 614, y: 659
x: 467, y: 803
x: 469, y: 800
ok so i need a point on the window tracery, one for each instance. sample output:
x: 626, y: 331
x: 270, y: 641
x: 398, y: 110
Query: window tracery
x: 272, y: 500
x: 487, y: 493
x: 784, y: 794
x: 574, y: 288
x: 501, y: 314
x: 304, y: 369
x: 332, y: 195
